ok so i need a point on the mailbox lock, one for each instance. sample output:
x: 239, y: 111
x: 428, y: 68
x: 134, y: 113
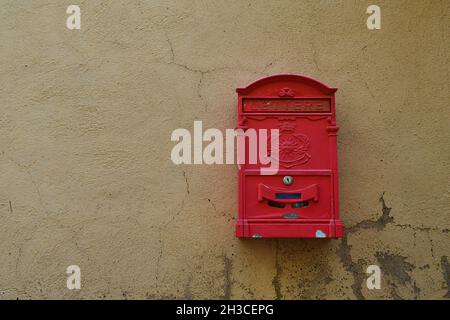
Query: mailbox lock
x: 287, y: 180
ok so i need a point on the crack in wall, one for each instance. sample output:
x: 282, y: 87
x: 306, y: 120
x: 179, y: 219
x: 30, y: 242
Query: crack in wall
x: 162, y: 227
x: 314, y: 56
x: 176, y: 213
x: 416, y: 228
x: 187, y: 182
x: 445, y: 265
x: 186, y: 194
x: 227, y: 267
x: 33, y: 182
x: 276, y: 282
x: 199, y: 91
x: 158, y: 259
x: 397, y: 268
x: 378, y: 224
x: 187, y: 289
x: 212, y: 205
x: 199, y: 71
x: 203, y: 72
x: 354, y: 268
x: 344, y: 252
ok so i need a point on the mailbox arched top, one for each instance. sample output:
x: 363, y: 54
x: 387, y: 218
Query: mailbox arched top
x: 286, y: 85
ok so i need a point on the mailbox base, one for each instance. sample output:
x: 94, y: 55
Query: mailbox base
x: 289, y: 230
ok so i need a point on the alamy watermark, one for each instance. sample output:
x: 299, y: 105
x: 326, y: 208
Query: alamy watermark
x: 374, y: 280
x: 374, y: 20
x: 74, y: 20
x: 74, y: 279
x: 254, y: 146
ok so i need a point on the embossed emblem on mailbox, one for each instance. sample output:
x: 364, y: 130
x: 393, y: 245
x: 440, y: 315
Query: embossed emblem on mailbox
x: 301, y: 201
x: 293, y: 147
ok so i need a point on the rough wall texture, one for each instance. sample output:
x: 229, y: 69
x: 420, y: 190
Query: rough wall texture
x: 85, y: 170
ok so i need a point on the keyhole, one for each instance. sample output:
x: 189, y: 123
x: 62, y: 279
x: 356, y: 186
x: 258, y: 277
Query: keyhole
x: 287, y: 180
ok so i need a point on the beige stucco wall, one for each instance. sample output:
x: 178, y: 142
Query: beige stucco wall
x: 85, y: 170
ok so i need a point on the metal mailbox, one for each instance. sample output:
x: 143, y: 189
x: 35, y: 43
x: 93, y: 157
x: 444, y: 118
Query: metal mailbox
x: 301, y: 199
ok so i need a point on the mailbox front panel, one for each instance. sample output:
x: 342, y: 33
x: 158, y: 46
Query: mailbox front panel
x: 301, y: 199
x: 306, y: 198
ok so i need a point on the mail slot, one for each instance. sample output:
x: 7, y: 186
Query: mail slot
x: 301, y: 199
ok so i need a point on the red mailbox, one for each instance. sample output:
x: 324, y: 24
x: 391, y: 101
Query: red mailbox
x: 301, y: 199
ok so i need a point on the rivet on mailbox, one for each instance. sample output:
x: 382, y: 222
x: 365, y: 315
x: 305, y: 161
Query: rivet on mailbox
x: 301, y: 199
